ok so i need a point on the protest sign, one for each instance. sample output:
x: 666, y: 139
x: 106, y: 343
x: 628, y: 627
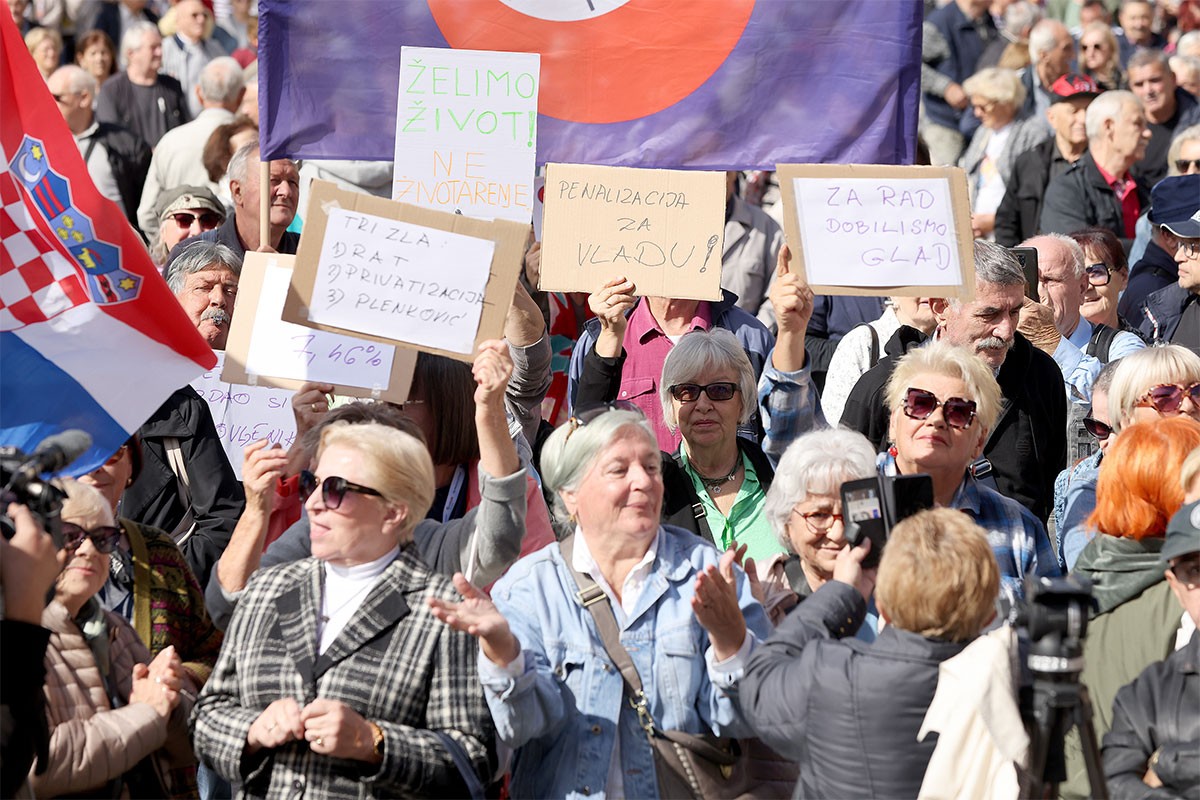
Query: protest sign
x: 539, y: 206
x: 264, y: 350
x: 398, y: 274
x: 245, y: 414
x: 879, y: 230
x: 662, y: 229
x: 466, y: 131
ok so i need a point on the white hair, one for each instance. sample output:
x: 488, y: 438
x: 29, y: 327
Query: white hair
x: 134, y: 35
x: 701, y: 353
x: 1189, y: 44
x: 1077, y: 256
x: 1107, y: 107
x: 1044, y: 37
x: 221, y: 80
x: 76, y: 80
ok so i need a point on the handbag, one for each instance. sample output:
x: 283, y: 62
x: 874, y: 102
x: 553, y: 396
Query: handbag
x: 687, y: 765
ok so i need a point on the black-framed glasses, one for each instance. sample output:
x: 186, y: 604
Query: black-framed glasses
x: 1184, y: 165
x: 104, y: 537
x: 333, y: 489
x: 920, y: 404
x: 1098, y: 274
x: 818, y: 521
x: 1101, y: 430
x: 585, y: 415
x: 1187, y: 570
x: 1166, y: 398
x: 690, y: 392
x: 208, y: 219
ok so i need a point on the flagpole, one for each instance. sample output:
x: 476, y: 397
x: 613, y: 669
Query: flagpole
x: 264, y: 204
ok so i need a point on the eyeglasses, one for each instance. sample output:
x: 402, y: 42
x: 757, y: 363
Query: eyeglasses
x: 1088, y: 47
x: 1190, y: 247
x: 690, y: 392
x: 1187, y: 570
x: 818, y: 521
x: 1101, y: 430
x: 208, y: 220
x: 1186, y: 165
x: 920, y: 404
x: 1166, y: 398
x: 984, y: 108
x: 582, y: 417
x: 1097, y: 274
x: 104, y: 538
x: 333, y: 489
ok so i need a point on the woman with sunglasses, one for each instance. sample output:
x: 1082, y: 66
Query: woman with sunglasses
x: 1100, y: 56
x: 335, y: 679
x: 685, y: 611
x: 1135, y: 620
x: 944, y: 402
x: 117, y: 718
x: 1107, y: 273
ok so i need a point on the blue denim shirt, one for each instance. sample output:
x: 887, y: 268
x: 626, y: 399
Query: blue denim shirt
x: 564, y: 713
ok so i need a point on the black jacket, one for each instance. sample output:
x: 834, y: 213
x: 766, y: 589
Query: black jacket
x: 1028, y: 446
x: 1081, y: 198
x: 1156, y: 270
x: 1160, y: 709
x: 848, y: 712
x: 129, y: 160
x: 1161, y: 314
x: 217, y: 496
x: 681, y: 504
x: 116, y: 103
x: 1021, y: 209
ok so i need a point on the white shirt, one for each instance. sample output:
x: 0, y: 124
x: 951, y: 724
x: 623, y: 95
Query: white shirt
x: 345, y: 590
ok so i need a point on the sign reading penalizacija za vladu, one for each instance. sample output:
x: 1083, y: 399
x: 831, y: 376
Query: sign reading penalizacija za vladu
x: 879, y: 230
x: 466, y: 131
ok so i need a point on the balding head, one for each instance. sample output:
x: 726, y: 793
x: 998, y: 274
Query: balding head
x: 222, y: 84
x: 74, y: 90
x: 1051, y: 50
x: 1061, y: 278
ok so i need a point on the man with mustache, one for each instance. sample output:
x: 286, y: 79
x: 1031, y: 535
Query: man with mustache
x: 1028, y: 446
x: 204, y: 278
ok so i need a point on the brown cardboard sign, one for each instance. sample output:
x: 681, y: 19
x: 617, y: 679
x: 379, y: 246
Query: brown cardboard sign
x: 398, y: 274
x: 879, y: 230
x: 662, y: 229
x: 264, y: 350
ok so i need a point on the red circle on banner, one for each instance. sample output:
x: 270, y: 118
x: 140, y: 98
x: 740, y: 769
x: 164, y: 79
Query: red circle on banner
x: 628, y: 63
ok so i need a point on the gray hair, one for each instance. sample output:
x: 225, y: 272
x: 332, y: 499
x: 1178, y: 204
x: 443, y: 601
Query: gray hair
x: 1145, y: 56
x: 76, y: 80
x: 1189, y: 65
x: 1020, y: 17
x: 1189, y: 44
x: 135, y: 34
x: 996, y: 264
x: 570, y: 452
x: 221, y: 80
x: 239, y: 162
x: 818, y: 462
x: 1044, y: 37
x: 198, y: 255
x: 1106, y: 107
x: 1188, y: 134
x: 702, y: 353
x: 1077, y: 256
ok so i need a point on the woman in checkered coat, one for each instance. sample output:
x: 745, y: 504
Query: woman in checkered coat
x: 335, y: 679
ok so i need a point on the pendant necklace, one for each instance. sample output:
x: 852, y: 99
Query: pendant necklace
x: 715, y: 485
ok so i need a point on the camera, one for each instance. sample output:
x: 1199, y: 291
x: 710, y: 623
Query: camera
x: 21, y: 480
x: 872, y: 506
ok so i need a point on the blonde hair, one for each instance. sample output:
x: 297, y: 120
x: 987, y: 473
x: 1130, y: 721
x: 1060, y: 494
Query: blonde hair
x: 1190, y: 470
x: 996, y: 84
x: 84, y: 502
x: 1143, y: 369
x: 938, y: 576
x: 951, y: 361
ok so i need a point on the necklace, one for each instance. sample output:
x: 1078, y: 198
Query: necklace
x: 715, y: 485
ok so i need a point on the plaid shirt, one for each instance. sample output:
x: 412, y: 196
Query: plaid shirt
x: 394, y: 663
x: 789, y: 405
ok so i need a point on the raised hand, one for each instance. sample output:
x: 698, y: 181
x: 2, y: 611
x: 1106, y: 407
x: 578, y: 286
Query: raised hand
x: 262, y: 468
x: 790, y: 296
x: 310, y: 404
x: 492, y: 368
x: 610, y: 303
x: 478, y: 616
x: 715, y: 604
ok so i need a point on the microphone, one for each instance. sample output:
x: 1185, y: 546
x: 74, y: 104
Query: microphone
x: 57, y: 452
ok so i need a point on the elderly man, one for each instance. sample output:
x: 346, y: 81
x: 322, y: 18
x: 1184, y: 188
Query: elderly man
x: 241, y: 232
x: 187, y: 52
x: 184, y: 213
x: 1137, y: 28
x: 1028, y: 446
x: 116, y: 159
x: 1173, y: 199
x: 1051, y: 52
x: 140, y: 98
x: 1172, y: 314
x: 1168, y: 109
x: 1020, y: 210
x: 204, y: 278
x: 1098, y: 190
x: 1186, y: 70
x: 178, y: 159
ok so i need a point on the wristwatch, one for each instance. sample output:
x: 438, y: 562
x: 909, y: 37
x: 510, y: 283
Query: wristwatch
x: 376, y: 738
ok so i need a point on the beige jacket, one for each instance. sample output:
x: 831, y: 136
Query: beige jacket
x: 92, y: 743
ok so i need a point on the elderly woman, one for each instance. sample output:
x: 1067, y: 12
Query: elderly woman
x: 996, y: 98
x: 1183, y: 158
x: 1136, y: 616
x: 684, y: 609
x: 944, y: 401
x: 804, y: 507
x: 117, y: 718
x: 335, y: 678
x: 1150, y: 384
x: 1107, y: 272
x: 46, y: 46
x: 1100, y: 56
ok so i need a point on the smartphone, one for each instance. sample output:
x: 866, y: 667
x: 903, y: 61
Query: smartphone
x: 1029, y: 263
x: 863, y: 515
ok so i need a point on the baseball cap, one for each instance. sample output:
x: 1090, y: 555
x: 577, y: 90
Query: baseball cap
x: 1174, y: 200
x: 182, y: 198
x: 1183, y: 532
x: 1073, y: 85
x: 1186, y: 229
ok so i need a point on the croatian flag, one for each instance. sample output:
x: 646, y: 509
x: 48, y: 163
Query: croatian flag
x: 697, y: 84
x: 90, y: 336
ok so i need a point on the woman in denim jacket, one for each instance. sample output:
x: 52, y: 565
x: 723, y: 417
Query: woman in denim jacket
x: 685, y: 613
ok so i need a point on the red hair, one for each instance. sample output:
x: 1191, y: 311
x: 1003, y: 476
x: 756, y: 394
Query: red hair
x: 1139, y: 486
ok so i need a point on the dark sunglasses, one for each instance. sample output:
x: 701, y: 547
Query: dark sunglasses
x: 582, y: 417
x: 690, y: 392
x: 105, y: 537
x: 1184, y: 164
x: 920, y: 404
x: 1101, y: 430
x: 1097, y: 274
x: 208, y: 220
x: 1166, y: 398
x: 333, y: 489
x: 1187, y: 570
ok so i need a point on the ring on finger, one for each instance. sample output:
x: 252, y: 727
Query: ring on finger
x: 320, y: 742
x: 271, y: 727
x: 314, y: 407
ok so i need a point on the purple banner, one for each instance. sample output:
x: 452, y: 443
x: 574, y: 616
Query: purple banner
x: 700, y: 84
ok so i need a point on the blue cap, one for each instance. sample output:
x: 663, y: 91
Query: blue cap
x: 1175, y: 199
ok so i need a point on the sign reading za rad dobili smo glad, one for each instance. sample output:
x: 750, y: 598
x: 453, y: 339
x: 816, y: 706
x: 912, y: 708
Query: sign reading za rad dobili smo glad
x: 662, y: 229
x: 880, y: 230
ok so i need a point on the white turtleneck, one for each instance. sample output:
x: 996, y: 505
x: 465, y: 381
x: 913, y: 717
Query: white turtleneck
x: 345, y: 590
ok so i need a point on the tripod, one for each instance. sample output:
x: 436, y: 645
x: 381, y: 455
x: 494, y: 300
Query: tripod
x: 1060, y: 701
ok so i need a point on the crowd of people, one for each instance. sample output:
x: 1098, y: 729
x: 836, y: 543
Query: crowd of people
x: 611, y: 556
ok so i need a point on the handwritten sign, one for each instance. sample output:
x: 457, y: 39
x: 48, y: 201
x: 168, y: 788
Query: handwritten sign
x: 264, y: 350
x: 245, y: 414
x: 405, y: 275
x: 466, y: 131
x: 662, y: 229
x: 871, y: 230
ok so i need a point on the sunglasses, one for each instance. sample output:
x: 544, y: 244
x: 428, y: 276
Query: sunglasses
x: 690, y: 392
x: 1089, y: 47
x: 581, y: 418
x: 1186, y: 164
x: 208, y: 220
x: 1166, y: 398
x: 1097, y: 274
x: 920, y: 404
x: 1187, y: 570
x: 1101, y: 430
x: 333, y: 489
x: 104, y: 538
